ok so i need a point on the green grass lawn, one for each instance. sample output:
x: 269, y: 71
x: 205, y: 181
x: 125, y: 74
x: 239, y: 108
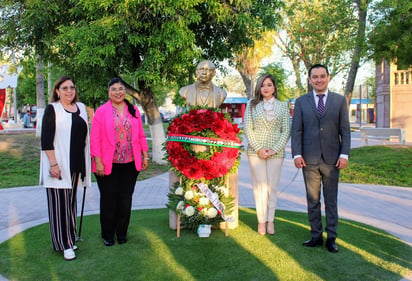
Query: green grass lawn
x: 155, y: 253
x: 380, y: 165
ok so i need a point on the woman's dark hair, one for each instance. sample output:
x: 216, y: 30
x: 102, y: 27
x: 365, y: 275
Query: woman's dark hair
x: 258, y: 94
x: 130, y: 107
x: 55, y: 97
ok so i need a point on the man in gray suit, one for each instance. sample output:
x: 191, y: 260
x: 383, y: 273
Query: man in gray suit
x: 321, y: 147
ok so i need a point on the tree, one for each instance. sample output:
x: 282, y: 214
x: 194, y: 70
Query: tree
x: 248, y: 61
x: 317, y: 31
x: 391, y: 37
x: 26, y: 28
x: 359, y: 49
x: 150, y: 42
x: 155, y: 42
x: 26, y: 90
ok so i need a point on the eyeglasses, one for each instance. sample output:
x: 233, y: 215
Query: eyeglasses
x: 120, y: 89
x: 66, y: 88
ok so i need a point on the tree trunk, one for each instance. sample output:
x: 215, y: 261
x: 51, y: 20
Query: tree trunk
x: 357, y: 51
x: 146, y: 99
x: 308, y: 65
x: 248, y: 84
x: 49, y: 80
x: 40, y: 99
x: 295, y: 64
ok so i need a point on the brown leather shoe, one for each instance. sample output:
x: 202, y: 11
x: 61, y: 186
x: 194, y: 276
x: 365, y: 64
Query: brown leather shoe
x: 270, y: 227
x: 262, y: 228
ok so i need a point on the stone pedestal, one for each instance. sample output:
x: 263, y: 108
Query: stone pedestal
x: 172, y: 215
x: 233, y: 189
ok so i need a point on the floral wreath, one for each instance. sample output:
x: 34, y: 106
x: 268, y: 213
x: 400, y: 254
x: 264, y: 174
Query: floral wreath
x: 209, y: 124
x: 207, y: 169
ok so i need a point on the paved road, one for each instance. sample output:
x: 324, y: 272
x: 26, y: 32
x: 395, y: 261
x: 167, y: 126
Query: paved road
x: 385, y: 207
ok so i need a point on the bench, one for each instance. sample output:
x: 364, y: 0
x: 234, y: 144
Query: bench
x: 386, y: 134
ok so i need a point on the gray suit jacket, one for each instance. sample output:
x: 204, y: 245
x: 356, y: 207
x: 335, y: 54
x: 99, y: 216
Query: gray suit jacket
x: 314, y: 136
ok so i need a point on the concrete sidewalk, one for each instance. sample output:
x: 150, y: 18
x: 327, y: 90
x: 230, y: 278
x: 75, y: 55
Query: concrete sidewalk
x: 386, y: 207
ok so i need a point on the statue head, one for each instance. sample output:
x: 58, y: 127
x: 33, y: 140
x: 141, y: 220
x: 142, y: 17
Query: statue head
x: 205, y: 71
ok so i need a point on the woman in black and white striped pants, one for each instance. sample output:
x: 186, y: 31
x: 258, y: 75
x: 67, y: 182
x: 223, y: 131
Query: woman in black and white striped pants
x: 64, y: 162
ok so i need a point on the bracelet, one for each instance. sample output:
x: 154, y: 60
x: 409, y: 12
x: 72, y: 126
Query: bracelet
x: 146, y: 158
x: 54, y: 165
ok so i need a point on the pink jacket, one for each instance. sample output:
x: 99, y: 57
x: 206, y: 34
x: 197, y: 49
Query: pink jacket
x: 102, y: 138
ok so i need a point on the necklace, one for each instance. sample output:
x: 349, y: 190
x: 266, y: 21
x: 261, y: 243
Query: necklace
x: 69, y: 107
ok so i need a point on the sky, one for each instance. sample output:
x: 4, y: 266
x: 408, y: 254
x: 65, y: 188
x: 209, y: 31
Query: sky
x: 337, y: 84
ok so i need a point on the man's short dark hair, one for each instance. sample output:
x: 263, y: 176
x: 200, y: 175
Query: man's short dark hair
x: 318, y: 65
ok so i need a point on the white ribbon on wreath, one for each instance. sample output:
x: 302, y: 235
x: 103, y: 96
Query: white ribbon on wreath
x: 214, y: 199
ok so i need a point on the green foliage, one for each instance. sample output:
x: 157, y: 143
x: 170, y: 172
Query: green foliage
x: 149, y: 42
x: 26, y: 90
x: 153, y: 252
x: 318, y: 32
x: 278, y: 72
x: 391, y: 37
x: 27, y: 26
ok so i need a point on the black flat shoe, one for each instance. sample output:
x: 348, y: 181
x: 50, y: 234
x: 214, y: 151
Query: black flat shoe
x: 331, y: 245
x: 108, y: 242
x: 313, y: 242
x: 122, y: 241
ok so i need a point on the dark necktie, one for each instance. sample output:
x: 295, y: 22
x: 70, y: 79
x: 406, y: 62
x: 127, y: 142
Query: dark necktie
x: 321, y: 105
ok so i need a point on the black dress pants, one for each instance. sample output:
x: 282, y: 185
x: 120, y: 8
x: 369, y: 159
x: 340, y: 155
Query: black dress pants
x: 116, y: 191
x: 323, y: 177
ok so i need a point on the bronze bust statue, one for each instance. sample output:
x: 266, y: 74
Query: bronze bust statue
x: 203, y: 92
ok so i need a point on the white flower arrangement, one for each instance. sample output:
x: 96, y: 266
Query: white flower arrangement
x: 189, y: 195
x: 179, y: 191
x: 189, y: 211
x: 196, y: 208
x: 180, y: 206
x: 211, y: 213
x: 203, y: 201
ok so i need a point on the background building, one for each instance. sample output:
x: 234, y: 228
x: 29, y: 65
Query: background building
x: 394, y: 98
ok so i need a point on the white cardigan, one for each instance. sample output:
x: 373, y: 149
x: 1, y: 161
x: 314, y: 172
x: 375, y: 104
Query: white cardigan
x: 62, y: 150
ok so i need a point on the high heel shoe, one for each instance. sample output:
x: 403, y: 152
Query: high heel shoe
x: 262, y: 228
x: 270, y: 227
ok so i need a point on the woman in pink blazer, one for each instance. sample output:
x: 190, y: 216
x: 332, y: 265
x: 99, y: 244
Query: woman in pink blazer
x: 119, y: 152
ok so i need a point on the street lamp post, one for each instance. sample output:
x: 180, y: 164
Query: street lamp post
x: 360, y: 105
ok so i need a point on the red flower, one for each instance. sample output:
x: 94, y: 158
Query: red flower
x: 198, y: 121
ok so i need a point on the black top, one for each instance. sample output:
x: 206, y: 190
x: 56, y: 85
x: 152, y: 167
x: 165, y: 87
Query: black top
x: 77, y: 141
